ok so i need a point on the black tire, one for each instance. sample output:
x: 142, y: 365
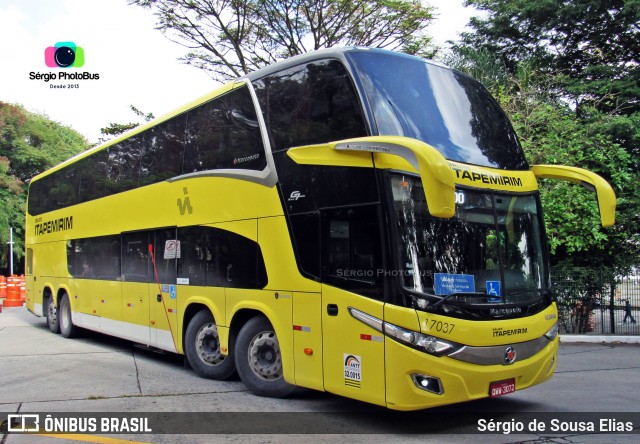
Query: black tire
x: 258, y: 359
x: 67, y: 329
x: 202, y: 348
x: 51, y: 313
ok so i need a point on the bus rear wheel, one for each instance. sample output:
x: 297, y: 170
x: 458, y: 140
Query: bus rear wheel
x: 202, y: 347
x: 67, y: 329
x: 52, y: 315
x: 259, y: 361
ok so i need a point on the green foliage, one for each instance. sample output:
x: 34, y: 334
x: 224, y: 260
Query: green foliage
x: 551, y: 133
x: 230, y: 39
x: 33, y: 143
x: 11, y: 211
x: 29, y: 144
x: 591, y: 46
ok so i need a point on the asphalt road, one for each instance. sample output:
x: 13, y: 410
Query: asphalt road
x: 96, y: 376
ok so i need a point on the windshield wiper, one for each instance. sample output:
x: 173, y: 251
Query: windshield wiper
x: 445, y: 298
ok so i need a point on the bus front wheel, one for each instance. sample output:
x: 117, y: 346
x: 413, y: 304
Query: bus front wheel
x: 202, y: 347
x: 52, y: 315
x: 259, y: 361
x: 67, y: 329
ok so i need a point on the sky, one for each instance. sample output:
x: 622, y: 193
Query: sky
x: 135, y: 64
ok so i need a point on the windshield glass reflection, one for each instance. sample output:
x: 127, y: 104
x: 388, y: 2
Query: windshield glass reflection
x: 491, y: 250
x: 446, y: 109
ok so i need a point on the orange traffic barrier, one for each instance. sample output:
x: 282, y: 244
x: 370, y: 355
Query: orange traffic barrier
x: 23, y: 288
x: 13, y: 292
x: 3, y: 287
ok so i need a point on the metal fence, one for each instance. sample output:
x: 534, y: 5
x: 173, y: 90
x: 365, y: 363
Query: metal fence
x: 589, y: 304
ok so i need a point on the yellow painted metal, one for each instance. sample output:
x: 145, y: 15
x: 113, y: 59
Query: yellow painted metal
x: 307, y: 340
x: 604, y: 193
x: 327, y: 155
x: 488, y: 333
x: 461, y: 381
x: 135, y: 307
x: 211, y: 199
x: 279, y: 258
x: 475, y: 176
x: 353, y: 352
x: 435, y: 174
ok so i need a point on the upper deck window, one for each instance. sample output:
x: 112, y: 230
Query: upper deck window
x: 311, y: 103
x: 222, y: 133
x: 444, y: 108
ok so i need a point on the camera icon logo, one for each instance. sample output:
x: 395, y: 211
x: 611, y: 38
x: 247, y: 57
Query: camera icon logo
x: 64, y: 55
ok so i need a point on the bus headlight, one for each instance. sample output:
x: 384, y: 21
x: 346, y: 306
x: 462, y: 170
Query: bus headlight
x: 552, y: 333
x: 430, y: 344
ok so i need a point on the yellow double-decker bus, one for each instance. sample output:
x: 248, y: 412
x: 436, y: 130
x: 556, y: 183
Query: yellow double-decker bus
x: 352, y: 220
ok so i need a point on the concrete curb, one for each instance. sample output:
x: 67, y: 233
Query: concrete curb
x: 596, y: 339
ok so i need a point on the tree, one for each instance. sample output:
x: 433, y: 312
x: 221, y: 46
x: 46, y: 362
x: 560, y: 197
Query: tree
x: 29, y: 144
x: 34, y: 143
x: 230, y: 38
x: 11, y: 212
x: 115, y: 129
x: 592, y: 47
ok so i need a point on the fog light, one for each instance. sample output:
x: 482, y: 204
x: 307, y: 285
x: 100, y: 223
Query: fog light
x: 553, y: 361
x: 428, y: 383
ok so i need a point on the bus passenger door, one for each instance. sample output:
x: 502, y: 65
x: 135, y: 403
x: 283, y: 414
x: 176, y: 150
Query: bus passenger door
x: 353, y: 352
x: 163, y: 290
x: 136, y: 275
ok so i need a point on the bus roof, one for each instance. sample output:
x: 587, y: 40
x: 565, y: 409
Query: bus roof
x: 336, y: 53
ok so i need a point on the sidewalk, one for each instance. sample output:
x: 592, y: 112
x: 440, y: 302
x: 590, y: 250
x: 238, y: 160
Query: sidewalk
x: 599, y: 339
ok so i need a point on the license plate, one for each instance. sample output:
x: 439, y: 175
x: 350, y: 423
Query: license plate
x: 500, y: 388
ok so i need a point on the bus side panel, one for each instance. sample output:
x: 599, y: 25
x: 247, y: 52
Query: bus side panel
x: 86, y: 294
x: 307, y: 340
x: 279, y: 259
x: 34, y: 300
x: 353, y: 353
x: 109, y: 299
x: 135, y: 311
x: 49, y: 273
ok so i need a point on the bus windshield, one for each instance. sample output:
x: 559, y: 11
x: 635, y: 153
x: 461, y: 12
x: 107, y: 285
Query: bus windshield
x: 446, y: 109
x: 490, y: 252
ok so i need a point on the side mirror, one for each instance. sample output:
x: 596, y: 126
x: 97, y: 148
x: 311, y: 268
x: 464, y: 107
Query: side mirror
x: 604, y: 193
x: 435, y: 173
